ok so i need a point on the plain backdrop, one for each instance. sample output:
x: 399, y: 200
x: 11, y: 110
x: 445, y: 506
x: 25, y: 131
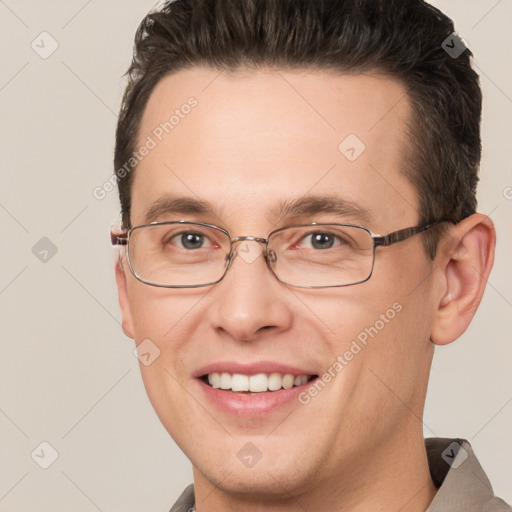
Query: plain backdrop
x: 68, y: 376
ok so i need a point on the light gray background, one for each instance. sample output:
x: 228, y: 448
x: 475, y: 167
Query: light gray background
x: 67, y: 373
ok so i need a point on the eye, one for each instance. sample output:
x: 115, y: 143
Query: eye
x: 190, y: 240
x: 321, y: 241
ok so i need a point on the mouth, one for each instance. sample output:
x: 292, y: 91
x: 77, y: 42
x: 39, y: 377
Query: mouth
x: 255, y: 384
x: 253, y: 389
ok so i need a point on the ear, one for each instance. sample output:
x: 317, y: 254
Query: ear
x: 465, y: 260
x: 122, y: 292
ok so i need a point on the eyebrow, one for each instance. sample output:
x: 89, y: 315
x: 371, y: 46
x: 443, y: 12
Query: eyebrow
x: 306, y: 206
x: 178, y: 204
x: 311, y: 205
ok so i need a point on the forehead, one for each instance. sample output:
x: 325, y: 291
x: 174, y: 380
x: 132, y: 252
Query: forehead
x: 245, y: 142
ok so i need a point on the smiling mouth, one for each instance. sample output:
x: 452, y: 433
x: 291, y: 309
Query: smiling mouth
x: 254, y: 384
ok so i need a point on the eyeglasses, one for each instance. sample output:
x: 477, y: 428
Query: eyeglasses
x: 183, y: 254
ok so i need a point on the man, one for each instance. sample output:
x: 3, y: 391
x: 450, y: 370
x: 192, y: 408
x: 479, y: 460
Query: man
x: 297, y: 182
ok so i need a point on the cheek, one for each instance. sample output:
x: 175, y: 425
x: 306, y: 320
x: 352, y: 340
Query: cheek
x: 160, y: 314
x: 162, y: 329
x: 163, y: 323
x: 398, y: 357
x: 382, y: 338
x: 166, y: 394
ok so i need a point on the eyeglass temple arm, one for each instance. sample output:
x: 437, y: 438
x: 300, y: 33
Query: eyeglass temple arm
x: 402, y: 234
x: 118, y: 238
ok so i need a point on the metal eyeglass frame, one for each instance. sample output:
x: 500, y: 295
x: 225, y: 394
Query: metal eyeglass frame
x: 123, y: 239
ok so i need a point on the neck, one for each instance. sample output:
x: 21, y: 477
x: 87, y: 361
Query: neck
x: 394, y: 476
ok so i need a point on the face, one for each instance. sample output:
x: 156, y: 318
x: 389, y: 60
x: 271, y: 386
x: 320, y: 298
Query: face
x: 253, y: 142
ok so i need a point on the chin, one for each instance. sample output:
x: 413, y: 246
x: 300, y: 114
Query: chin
x: 285, y: 472
x: 256, y: 485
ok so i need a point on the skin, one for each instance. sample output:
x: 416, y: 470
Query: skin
x: 254, y: 139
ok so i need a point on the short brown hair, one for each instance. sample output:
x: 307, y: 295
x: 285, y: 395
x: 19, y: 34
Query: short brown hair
x: 401, y: 38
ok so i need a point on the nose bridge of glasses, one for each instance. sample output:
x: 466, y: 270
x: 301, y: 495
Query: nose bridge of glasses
x: 250, y: 239
x: 256, y: 239
x: 247, y: 253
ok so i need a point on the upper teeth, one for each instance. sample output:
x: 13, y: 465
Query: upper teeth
x: 255, y: 383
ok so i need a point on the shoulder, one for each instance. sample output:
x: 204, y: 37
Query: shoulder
x: 462, y: 483
x: 186, y: 501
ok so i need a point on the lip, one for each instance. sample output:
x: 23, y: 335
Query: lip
x: 251, y: 405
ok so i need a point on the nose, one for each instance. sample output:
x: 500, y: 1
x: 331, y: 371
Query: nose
x: 250, y: 299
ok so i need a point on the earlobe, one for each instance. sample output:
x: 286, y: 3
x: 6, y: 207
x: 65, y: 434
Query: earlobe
x: 122, y: 292
x: 465, y: 263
